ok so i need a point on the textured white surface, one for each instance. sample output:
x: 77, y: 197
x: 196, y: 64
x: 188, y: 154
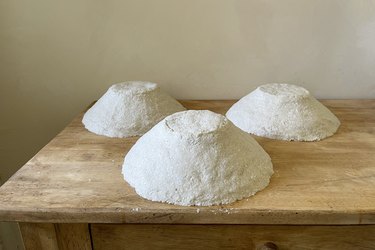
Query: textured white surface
x: 197, y: 158
x: 129, y: 109
x: 285, y: 112
x: 54, y: 64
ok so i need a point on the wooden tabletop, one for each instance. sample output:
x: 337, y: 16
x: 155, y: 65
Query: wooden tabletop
x: 77, y: 178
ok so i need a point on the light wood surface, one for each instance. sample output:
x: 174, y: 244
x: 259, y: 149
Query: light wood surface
x: 40, y: 236
x: 73, y: 236
x: 77, y: 178
x: 202, y: 237
x: 48, y: 236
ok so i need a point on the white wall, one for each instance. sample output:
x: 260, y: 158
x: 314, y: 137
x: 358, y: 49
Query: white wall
x: 195, y: 48
x: 58, y: 56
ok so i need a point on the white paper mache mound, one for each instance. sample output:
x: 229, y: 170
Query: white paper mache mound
x: 197, y: 158
x: 285, y: 112
x: 129, y: 109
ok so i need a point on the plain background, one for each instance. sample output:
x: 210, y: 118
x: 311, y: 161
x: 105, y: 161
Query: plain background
x: 58, y: 56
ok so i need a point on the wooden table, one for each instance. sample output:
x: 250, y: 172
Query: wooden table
x: 71, y: 195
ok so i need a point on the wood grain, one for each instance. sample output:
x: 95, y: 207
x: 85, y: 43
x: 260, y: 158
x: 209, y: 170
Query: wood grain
x: 202, y: 237
x: 48, y: 236
x: 73, y: 236
x: 39, y: 236
x: 77, y: 178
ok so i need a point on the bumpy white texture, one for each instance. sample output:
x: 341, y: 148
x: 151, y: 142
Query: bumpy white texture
x: 197, y: 158
x: 129, y: 109
x: 285, y: 112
